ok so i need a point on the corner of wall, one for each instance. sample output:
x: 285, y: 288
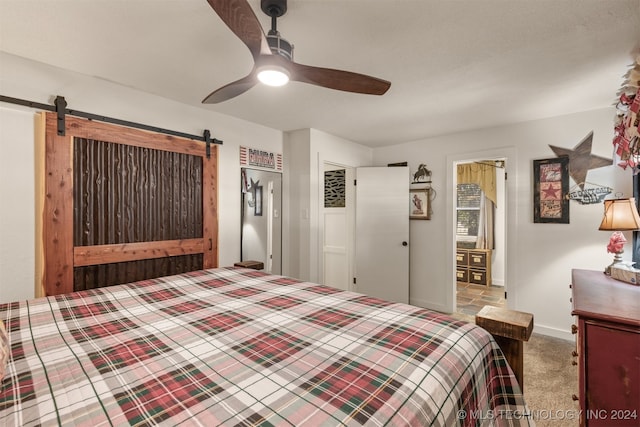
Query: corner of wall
x: 295, y: 185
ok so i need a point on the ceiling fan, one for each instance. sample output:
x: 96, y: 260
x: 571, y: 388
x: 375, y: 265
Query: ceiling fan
x: 273, y: 55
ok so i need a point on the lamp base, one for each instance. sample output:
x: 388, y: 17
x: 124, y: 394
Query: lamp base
x: 617, y: 258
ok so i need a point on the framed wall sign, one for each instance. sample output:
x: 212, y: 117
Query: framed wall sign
x: 256, y: 158
x: 550, y: 190
x: 420, y: 203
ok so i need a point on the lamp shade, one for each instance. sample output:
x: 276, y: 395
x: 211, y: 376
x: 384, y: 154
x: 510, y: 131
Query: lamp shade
x: 620, y: 215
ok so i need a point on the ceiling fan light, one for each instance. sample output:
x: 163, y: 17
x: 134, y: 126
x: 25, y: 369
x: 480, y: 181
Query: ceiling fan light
x: 273, y: 76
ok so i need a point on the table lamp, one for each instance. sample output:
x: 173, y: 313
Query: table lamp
x: 619, y: 215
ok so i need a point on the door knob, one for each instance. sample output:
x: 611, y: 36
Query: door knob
x: 405, y: 244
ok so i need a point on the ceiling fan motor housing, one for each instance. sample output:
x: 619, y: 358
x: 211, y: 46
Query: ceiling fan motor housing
x: 280, y: 46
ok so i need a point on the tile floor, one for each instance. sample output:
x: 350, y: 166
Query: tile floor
x: 471, y: 297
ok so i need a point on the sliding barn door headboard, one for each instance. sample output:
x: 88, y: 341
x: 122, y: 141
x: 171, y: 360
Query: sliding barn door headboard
x: 121, y: 204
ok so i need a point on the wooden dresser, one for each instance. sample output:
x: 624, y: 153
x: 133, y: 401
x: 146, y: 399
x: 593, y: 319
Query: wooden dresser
x: 473, y: 266
x: 607, y: 349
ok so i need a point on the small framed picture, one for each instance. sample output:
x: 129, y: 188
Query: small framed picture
x: 258, y: 206
x: 420, y: 203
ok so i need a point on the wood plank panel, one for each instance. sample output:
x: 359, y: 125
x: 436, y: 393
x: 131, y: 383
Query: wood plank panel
x: 105, y: 254
x: 94, y: 276
x: 57, y: 222
x: 210, y: 209
x: 83, y: 128
x: 39, y: 154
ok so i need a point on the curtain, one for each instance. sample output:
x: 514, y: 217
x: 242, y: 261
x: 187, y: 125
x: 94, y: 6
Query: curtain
x: 484, y: 175
x: 486, y: 224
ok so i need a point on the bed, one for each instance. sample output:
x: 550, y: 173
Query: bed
x: 239, y: 347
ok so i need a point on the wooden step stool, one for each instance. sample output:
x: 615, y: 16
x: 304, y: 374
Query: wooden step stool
x: 256, y: 265
x: 509, y: 328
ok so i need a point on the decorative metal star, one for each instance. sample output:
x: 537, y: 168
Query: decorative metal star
x: 581, y: 159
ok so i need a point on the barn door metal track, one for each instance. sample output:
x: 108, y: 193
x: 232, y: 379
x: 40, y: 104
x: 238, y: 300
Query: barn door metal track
x: 60, y: 107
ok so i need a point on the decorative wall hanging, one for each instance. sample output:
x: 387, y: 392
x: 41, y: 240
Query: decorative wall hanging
x: 589, y: 196
x: 260, y: 159
x: 581, y: 160
x: 421, y: 198
x: 626, y: 139
x: 251, y: 192
x: 422, y: 175
x: 550, y: 186
x: 244, y: 183
x: 420, y: 203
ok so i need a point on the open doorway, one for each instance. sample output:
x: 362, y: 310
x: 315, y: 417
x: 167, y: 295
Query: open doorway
x: 261, y: 219
x: 480, y: 235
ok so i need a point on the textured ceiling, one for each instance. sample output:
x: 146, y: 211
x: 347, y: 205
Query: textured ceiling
x: 454, y: 65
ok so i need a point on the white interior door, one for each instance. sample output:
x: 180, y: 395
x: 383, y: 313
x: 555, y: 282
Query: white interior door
x: 335, y: 250
x: 338, y: 225
x: 382, y: 233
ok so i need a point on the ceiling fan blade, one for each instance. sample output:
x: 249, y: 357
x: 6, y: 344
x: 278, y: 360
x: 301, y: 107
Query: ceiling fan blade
x: 241, y: 19
x: 231, y: 90
x: 338, y: 79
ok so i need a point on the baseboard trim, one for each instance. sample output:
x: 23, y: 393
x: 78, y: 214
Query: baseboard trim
x: 429, y: 305
x: 537, y: 329
x: 553, y: 332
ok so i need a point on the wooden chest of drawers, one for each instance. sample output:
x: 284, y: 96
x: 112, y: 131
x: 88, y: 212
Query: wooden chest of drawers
x: 608, y: 349
x: 473, y: 266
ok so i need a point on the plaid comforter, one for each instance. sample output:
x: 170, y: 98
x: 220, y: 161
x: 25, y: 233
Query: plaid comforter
x: 238, y: 347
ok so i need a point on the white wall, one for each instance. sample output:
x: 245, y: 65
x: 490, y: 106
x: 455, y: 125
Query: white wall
x: 17, y: 204
x: 541, y: 256
x: 295, y: 203
x: 25, y: 79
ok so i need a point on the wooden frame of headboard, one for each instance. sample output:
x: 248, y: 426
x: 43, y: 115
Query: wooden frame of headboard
x: 56, y: 254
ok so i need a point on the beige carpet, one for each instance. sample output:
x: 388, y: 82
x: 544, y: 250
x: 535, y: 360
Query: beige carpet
x: 550, y: 380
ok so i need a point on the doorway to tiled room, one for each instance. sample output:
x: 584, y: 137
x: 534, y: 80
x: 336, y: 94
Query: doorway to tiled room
x: 480, y: 236
x: 471, y: 297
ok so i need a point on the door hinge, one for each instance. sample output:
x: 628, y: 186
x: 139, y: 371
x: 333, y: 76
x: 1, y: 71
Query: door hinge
x: 505, y: 294
x: 354, y: 280
x: 355, y: 182
x: 505, y: 176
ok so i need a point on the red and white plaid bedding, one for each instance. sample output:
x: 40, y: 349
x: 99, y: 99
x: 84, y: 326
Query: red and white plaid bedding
x: 239, y: 347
